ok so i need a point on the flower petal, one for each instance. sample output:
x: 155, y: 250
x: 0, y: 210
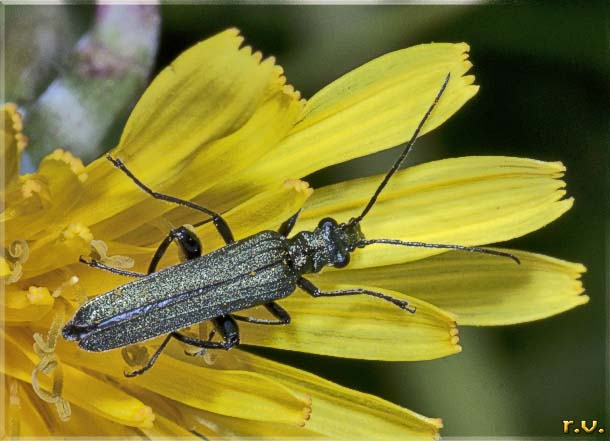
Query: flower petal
x: 241, y: 428
x: 465, y: 201
x: 165, y: 428
x: 210, y: 102
x: 235, y: 393
x: 482, y: 290
x: 370, y: 109
x: 170, y: 419
x: 266, y: 210
x: 48, y: 195
x: 58, y: 249
x: 342, y: 413
x: 101, y: 398
x: 359, y: 327
x: 89, y: 424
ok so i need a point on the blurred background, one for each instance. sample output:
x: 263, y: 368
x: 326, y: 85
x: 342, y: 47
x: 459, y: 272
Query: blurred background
x: 545, y: 94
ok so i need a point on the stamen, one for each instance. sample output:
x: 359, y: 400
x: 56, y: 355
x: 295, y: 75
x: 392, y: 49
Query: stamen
x: 18, y: 253
x: 16, y: 273
x: 19, y: 250
x: 42, y: 394
x: 49, y: 366
x: 209, y: 357
x: 55, y: 328
x: 99, y: 252
x: 72, y: 281
x: 14, y: 408
x: 40, y: 346
x: 135, y: 355
x: 63, y: 409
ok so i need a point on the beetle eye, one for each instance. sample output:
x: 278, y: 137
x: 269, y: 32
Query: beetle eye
x: 327, y: 222
x: 342, y: 261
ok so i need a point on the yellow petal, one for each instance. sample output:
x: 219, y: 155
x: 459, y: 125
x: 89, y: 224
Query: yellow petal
x: 58, y: 249
x: 209, y: 90
x: 84, y: 390
x: 164, y: 428
x: 342, y: 413
x: 265, y: 211
x: 88, y: 424
x: 171, y: 420
x: 372, y: 108
x: 465, y: 201
x: 482, y: 290
x: 196, y: 116
x: 57, y: 186
x: 242, y: 428
x: 235, y: 393
x: 5, y: 268
x: 359, y: 326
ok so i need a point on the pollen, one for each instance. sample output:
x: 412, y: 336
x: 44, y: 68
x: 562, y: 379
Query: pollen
x: 77, y: 230
x: 39, y: 295
x: 146, y: 416
x: 299, y: 186
x: 31, y: 187
x: 306, y: 410
x: 454, y: 336
x: 76, y: 165
x: 17, y: 125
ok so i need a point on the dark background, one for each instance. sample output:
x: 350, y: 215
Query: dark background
x: 544, y: 71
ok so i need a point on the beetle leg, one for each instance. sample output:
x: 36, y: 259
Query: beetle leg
x: 283, y: 318
x: 288, y: 224
x: 225, y: 324
x: 100, y: 265
x: 151, y: 360
x: 219, y: 222
x: 190, y: 245
x: 314, y: 291
x: 227, y: 327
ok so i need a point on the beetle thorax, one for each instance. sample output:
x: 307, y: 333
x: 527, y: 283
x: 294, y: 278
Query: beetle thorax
x: 330, y: 244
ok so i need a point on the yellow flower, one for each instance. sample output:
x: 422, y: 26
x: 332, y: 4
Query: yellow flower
x: 219, y: 126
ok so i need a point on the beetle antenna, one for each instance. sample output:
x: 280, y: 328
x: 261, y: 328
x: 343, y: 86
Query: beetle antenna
x: 366, y: 242
x: 403, y: 155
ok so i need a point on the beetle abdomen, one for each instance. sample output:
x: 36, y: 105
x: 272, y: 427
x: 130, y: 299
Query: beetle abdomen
x: 247, y: 273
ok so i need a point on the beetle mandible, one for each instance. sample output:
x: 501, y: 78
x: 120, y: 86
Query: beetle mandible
x: 257, y: 270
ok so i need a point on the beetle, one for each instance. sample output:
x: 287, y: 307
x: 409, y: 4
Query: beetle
x: 258, y: 270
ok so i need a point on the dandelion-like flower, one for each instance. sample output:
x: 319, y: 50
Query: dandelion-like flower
x: 220, y: 127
